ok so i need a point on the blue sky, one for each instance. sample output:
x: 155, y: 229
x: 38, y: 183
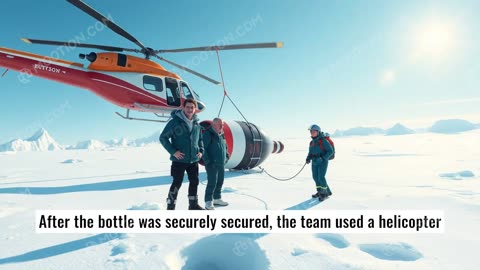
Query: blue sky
x: 344, y: 63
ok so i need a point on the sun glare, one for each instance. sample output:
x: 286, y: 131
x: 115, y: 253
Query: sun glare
x: 434, y: 39
x: 387, y: 77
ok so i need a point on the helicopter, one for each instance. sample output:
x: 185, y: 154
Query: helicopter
x: 142, y: 85
x: 128, y: 81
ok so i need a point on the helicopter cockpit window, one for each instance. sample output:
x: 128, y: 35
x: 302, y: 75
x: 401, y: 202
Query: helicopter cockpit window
x: 152, y: 83
x: 197, y: 97
x: 186, y: 91
x: 173, y: 93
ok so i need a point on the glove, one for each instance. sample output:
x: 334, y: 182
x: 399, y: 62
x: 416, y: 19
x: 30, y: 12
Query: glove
x: 308, y: 161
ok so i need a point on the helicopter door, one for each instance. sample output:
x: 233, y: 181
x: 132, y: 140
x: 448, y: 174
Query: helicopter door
x: 173, y: 93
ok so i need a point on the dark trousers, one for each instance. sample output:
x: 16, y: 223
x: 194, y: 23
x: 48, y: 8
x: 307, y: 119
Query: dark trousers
x: 215, y: 176
x: 318, y: 172
x: 178, y: 171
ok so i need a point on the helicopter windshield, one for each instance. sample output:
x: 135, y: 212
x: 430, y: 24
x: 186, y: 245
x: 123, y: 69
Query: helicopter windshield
x: 197, y: 96
x: 186, y: 91
x: 201, y: 105
x: 192, y: 95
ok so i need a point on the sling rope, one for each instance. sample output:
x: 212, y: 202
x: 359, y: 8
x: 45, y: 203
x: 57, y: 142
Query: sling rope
x: 221, y: 106
x: 223, y: 82
x: 283, y: 179
x: 225, y: 94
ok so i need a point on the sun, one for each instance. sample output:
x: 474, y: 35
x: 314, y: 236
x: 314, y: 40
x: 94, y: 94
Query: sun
x: 434, y: 39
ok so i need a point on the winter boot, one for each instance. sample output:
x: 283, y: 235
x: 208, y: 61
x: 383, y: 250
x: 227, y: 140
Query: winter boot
x: 193, y: 203
x: 323, y: 197
x: 209, y: 205
x: 171, y: 204
x: 220, y: 202
x: 316, y: 195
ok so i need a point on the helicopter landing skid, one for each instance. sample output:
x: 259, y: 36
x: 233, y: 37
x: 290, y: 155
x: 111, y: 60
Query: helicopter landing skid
x: 139, y: 119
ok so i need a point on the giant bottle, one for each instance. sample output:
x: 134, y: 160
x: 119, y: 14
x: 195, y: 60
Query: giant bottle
x: 248, y: 145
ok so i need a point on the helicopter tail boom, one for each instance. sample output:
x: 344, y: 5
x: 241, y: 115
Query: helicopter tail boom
x: 42, y: 66
x: 111, y: 88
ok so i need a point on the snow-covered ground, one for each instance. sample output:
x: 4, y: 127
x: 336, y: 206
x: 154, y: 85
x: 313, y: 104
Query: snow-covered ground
x: 417, y: 171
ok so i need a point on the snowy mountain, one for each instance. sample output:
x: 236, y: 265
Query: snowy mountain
x: 358, y: 131
x: 398, y: 129
x: 124, y: 142
x: 448, y: 126
x: 148, y: 140
x: 452, y: 126
x: 40, y: 141
x: 90, y: 145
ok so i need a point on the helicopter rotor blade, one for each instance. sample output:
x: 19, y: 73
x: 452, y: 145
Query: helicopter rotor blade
x: 189, y: 70
x: 99, y: 17
x: 82, y: 45
x: 227, y: 47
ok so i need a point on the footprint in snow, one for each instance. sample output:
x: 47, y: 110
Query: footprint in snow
x: 146, y: 206
x: 392, y: 251
x: 119, y: 249
x: 298, y: 251
x: 71, y: 161
x: 458, y: 175
x: 225, y: 251
x: 228, y: 190
x: 336, y: 240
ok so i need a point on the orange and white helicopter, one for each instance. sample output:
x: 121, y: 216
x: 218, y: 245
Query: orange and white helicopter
x: 127, y: 81
x: 141, y: 84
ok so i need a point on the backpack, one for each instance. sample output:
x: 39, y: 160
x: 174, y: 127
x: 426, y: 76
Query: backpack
x: 329, y: 140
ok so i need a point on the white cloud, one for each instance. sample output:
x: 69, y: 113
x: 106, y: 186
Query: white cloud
x: 451, y: 101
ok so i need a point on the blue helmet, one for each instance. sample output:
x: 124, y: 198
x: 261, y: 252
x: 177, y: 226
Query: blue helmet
x: 315, y: 127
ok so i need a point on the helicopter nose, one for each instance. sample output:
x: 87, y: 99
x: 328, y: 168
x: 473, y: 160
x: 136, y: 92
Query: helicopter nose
x: 201, y: 106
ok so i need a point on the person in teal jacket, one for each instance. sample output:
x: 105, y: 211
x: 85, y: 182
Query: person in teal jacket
x: 319, y: 156
x: 182, y: 138
x: 215, y: 157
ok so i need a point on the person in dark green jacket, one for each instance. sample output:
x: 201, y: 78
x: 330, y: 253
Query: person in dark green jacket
x: 319, y: 156
x: 182, y: 138
x: 215, y: 157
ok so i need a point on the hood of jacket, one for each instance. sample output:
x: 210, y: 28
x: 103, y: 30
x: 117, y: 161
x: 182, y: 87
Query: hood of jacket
x: 213, y: 131
x: 181, y: 116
